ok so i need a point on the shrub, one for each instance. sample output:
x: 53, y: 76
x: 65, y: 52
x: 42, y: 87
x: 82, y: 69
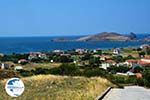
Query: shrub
x: 140, y: 82
x: 94, y: 72
x: 25, y: 73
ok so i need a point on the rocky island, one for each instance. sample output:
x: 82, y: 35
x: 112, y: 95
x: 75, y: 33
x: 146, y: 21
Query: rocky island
x: 108, y: 36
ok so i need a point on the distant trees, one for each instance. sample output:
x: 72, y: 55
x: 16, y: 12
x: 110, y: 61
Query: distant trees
x: 147, y: 50
x: 94, y: 62
x: 118, y: 58
x: 14, y: 57
x: 86, y: 57
x: 62, y: 59
x: 146, y: 77
x: 139, y: 49
x: 141, y: 54
x: 120, y: 69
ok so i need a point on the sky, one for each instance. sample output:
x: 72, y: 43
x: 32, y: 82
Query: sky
x: 73, y: 17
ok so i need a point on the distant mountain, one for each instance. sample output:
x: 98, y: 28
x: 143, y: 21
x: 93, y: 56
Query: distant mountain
x: 108, y: 36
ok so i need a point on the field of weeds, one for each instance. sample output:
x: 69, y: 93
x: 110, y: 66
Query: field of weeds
x: 51, y: 87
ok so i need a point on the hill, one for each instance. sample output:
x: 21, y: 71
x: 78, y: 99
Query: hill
x: 51, y: 87
x: 107, y: 36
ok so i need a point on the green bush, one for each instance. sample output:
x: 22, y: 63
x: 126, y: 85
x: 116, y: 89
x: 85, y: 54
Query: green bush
x: 131, y: 80
x: 25, y: 73
x: 141, y: 82
x: 118, y: 79
x: 94, y: 72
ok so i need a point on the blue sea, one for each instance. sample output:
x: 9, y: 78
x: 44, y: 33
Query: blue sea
x: 10, y: 45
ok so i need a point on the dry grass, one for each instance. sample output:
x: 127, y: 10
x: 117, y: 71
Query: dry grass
x: 31, y: 66
x: 51, y: 87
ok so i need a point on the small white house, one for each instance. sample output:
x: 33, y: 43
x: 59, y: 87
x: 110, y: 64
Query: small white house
x: 58, y: 51
x: 145, y: 46
x: 22, y: 61
x: 17, y: 68
x: 81, y: 51
x: 102, y: 58
x: 107, y: 64
x: 131, y: 63
x: 116, y: 51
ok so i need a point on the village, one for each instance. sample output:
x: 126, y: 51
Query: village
x: 131, y: 58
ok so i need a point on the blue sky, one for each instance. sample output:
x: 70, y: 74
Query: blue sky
x: 73, y: 17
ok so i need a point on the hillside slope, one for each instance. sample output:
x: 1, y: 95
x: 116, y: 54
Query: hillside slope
x: 105, y: 36
x: 51, y: 87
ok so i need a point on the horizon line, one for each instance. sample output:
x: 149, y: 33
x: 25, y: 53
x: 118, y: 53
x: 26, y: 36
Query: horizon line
x: 61, y: 35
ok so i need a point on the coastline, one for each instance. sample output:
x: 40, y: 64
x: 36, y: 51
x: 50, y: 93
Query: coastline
x: 9, y: 45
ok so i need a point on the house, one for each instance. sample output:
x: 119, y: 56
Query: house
x: 82, y: 63
x: 121, y: 64
x: 98, y: 51
x: 4, y: 66
x: 22, y: 61
x: 36, y: 55
x: 104, y: 57
x: 144, y: 62
x: 33, y: 55
x: 107, y: 64
x: 43, y: 56
x: 67, y: 55
x: 145, y: 46
x: 116, y: 51
x: 131, y: 63
x: 138, y: 75
x: 125, y: 74
x: 58, y: 51
x: 17, y: 68
x: 81, y: 51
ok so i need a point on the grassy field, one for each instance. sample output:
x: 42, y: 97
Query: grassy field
x: 129, y: 51
x: 51, y: 87
x: 31, y: 66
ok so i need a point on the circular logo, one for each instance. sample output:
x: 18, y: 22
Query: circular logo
x: 14, y: 87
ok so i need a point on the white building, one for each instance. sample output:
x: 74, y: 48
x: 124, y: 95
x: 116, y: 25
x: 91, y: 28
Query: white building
x: 116, y: 51
x: 107, y: 64
x: 81, y: 51
x: 18, y: 68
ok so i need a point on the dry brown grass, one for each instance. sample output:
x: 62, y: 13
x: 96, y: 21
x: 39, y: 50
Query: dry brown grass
x: 51, y: 87
x: 31, y: 66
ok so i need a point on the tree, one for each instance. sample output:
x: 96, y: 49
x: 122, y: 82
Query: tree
x: 86, y: 57
x: 139, y: 49
x: 94, y: 62
x: 146, y: 76
x: 68, y: 69
x: 142, y: 54
x: 138, y: 69
x: 147, y: 50
x: 129, y: 57
x: 118, y: 58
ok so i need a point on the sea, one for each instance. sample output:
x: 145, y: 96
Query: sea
x: 9, y: 45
